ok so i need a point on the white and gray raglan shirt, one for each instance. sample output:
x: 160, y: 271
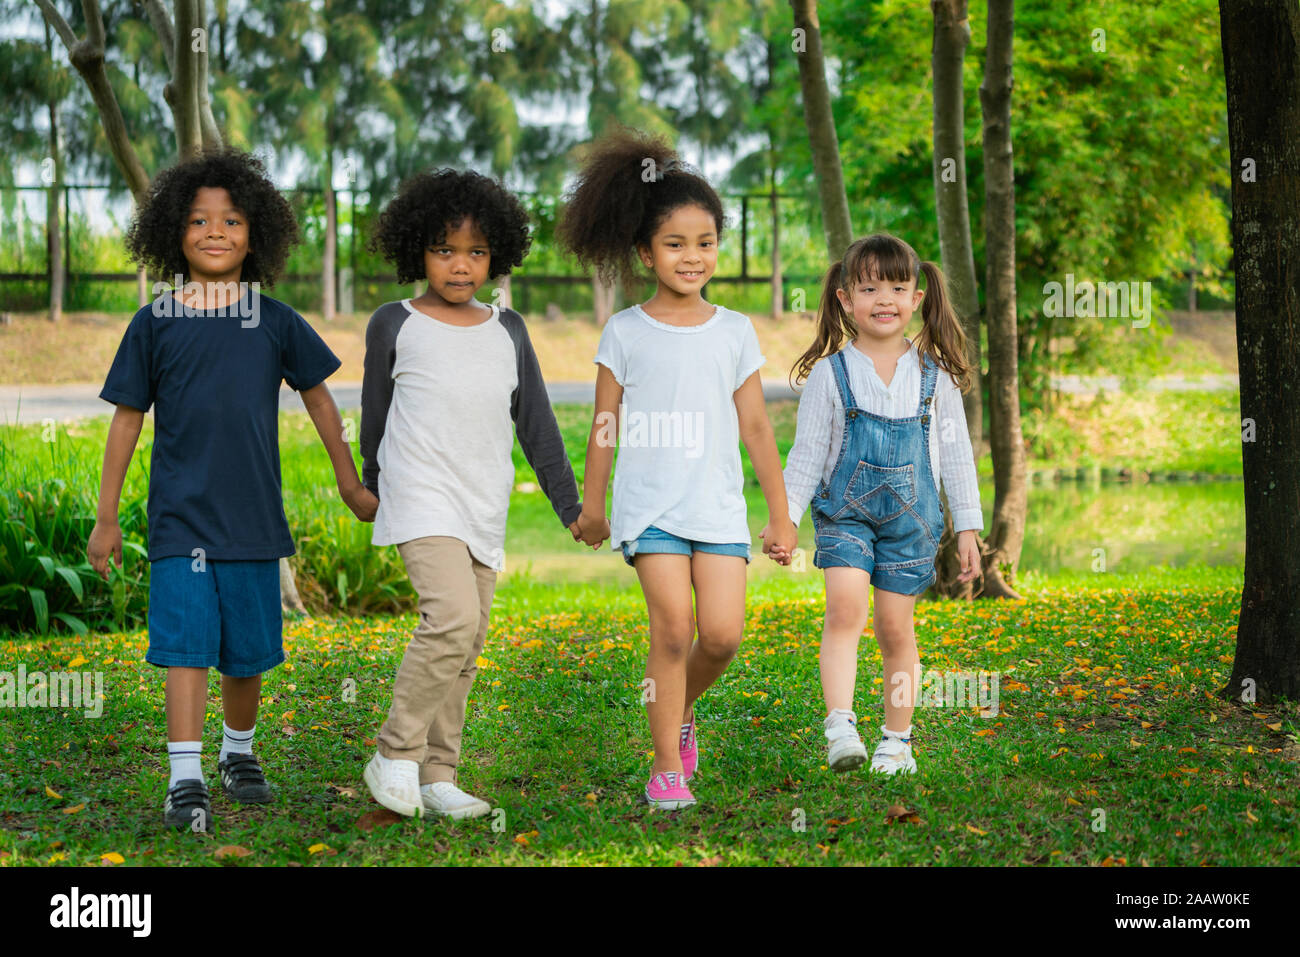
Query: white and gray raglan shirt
x: 440, y: 406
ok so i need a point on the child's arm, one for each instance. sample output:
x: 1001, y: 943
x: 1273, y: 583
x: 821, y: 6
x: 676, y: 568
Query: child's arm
x: 106, y: 537
x: 329, y: 426
x: 818, y: 421
x: 600, y: 457
x: 539, y: 433
x: 958, y: 475
x: 779, y: 535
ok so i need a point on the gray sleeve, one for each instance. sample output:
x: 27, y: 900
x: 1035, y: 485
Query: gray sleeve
x: 539, y: 433
x: 377, y: 385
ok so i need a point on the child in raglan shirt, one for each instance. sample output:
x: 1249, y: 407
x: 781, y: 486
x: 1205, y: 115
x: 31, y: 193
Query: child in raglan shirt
x: 448, y: 383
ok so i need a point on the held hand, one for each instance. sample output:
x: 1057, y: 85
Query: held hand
x: 361, y: 501
x: 590, y: 530
x: 780, y: 539
x: 968, y: 550
x: 105, y: 542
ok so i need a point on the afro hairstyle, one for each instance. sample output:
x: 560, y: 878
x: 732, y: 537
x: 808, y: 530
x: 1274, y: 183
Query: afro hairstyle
x: 154, y: 236
x: 430, y: 203
x: 629, y: 183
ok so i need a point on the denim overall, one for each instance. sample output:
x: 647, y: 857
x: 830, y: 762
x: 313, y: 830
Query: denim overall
x: 880, y: 511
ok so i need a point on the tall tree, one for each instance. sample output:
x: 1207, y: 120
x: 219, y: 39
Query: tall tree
x: 820, y: 122
x: 1001, y: 549
x: 1261, y: 59
x: 948, y: 53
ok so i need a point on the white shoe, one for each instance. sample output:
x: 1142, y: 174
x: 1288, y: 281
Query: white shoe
x: 443, y: 797
x: 893, y: 755
x: 395, y: 784
x: 846, y: 750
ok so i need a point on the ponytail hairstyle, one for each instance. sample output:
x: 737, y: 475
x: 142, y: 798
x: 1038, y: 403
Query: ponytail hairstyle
x: 884, y: 257
x: 629, y: 183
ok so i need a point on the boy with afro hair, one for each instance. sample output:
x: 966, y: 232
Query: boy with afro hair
x: 209, y: 356
x: 449, y: 382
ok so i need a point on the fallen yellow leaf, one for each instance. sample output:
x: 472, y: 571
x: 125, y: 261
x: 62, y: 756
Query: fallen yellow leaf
x: 112, y: 857
x: 74, y: 809
x: 49, y: 792
x: 975, y: 830
x: 317, y: 848
x: 78, y: 661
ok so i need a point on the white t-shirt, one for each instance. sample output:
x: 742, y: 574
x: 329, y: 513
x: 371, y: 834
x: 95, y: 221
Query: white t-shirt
x: 444, y: 461
x: 678, y: 436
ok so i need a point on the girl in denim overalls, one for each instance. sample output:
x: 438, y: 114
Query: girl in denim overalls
x: 867, y: 456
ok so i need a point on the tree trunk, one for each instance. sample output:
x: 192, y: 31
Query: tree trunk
x: 1261, y: 61
x: 1010, y: 498
x: 185, y: 82
x: 53, y: 239
x: 948, y: 50
x: 951, y: 37
x: 330, y: 256
x: 820, y: 123
x: 209, y: 134
x: 504, y: 299
x: 88, y: 57
x: 778, y: 289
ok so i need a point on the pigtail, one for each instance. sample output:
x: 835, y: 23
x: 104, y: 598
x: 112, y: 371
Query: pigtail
x: 942, y: 336
x: 834, y: 326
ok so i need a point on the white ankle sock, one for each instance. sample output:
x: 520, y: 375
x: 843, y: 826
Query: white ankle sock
x: 184, y: 759
x: 905, y: 733
x: 235, y: 742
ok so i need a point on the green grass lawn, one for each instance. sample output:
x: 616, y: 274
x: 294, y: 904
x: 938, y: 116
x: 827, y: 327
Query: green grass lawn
x: 1107, y: 714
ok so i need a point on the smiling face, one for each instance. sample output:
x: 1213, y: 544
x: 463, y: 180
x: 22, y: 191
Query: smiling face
x: 881, y: 308
x: 683, y: 251
x: 215, y: 239
x: 458, y: 265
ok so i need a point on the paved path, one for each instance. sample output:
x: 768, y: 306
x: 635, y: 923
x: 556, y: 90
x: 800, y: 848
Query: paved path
x: 33, y: 404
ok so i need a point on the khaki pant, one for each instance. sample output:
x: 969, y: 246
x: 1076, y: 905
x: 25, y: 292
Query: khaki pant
x: 433, y: 681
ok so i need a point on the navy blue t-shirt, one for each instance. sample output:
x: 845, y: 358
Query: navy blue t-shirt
x: 214, y: 379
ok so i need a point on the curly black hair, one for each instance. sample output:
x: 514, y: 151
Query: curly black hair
x: 629, y: 183
x: 430, y: 203
x: 154, y: 236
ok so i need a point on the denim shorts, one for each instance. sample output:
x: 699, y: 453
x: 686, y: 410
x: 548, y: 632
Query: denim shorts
x: 655, y: 541
x: 226, y: 615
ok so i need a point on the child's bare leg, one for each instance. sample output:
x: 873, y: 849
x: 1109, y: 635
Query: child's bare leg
x: 239, y: 700
x: 666, y: 582
x: 719, y: 582
x: 186, y: 695
x: 847, y: 591
x: 896, y: 635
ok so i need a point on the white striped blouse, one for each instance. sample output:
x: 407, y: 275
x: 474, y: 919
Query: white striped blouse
x: 821, y: 426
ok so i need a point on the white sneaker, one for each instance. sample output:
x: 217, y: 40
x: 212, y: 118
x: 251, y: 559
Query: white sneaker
x: 893, y: 755
x: 846, y: 750
x: 443, y: 797
x: 395, y: 784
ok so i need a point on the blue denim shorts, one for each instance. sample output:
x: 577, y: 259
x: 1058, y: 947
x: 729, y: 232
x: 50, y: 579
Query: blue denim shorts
x: 225, y: 616
x: 655, y: 541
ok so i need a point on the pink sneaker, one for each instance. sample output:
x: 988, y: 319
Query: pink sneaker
x: 690, y: 754
x: 668, y: 790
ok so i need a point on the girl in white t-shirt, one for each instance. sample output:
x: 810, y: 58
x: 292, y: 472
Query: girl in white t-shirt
x: 881, y: 422
x: 677, y: 388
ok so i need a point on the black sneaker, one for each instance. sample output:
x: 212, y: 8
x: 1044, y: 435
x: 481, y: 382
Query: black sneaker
x: 242, y: 779
x: 187, y: 806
